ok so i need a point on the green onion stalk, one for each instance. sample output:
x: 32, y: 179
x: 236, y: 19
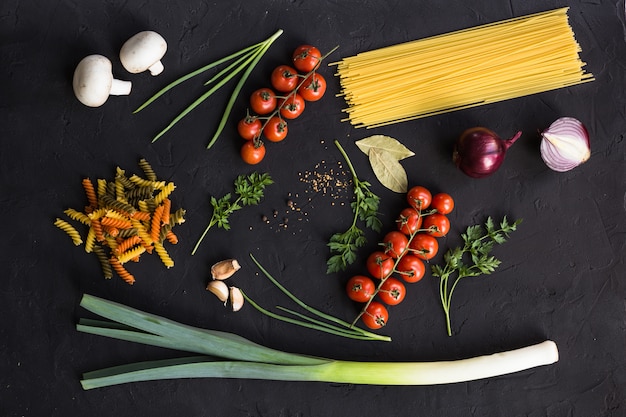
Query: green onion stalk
x: 225, y: 355
x: 246, y: 60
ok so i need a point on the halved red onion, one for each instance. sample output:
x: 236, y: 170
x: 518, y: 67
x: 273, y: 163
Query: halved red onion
x: 565, y: 144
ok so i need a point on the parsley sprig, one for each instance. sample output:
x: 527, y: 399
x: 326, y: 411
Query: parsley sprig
x: 249, y: 191
x: 343, y: 246
x: 472, y: 259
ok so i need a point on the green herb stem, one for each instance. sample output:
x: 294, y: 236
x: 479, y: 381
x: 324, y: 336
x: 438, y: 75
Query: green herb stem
x: 249, y: 190
x: 343, y: 246
x: 478, y: 243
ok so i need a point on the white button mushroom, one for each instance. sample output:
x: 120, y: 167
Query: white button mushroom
x: 144, y: 52
x: 93, y: 81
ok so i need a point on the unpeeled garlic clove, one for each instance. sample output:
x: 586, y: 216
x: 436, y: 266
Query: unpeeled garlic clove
x: 220, y: 289
x: 236, y: 298
x: 225, y: 269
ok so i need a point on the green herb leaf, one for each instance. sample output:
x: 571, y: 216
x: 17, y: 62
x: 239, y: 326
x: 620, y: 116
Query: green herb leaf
x: 388, y: 170
x: 384, y: 143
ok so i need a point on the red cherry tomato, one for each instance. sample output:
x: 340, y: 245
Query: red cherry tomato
x: 437, y: 224
x: 409, y: 221
x: 275, y: 129
x: 253, y: 152
x: 263, y: 101
x: 284, y: 78
x: 395, y: 243
x: 424, y: 246
x: 306, y: 58
x: 313, y: 88
x: 360, y: 288
x: 419, y: 198
x: 249, y: 127
x: 443, y: 203
x: 411, y: 268
x: 292, y: 106
x: 379, y: 264
x: 392, y: 291
x: 375, y: 315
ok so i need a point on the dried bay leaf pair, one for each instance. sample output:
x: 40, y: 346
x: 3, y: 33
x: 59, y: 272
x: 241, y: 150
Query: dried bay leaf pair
x: 385, y: 154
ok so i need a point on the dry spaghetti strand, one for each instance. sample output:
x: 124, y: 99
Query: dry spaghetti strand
x: 458, y: 70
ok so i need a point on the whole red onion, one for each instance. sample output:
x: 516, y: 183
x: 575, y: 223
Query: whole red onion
x: 479, y: 152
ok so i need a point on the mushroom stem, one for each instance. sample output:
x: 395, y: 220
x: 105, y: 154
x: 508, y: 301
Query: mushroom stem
x: 156, y: 68
x: 120, y: 87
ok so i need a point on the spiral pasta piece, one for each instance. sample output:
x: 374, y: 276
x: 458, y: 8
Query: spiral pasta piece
x: 107, y: 270
x: 121, y: 271
x: 91, y: 193
x: 70, y: 230
x: 164, y: 193
x: 162, y: 252
x: 147, y: 170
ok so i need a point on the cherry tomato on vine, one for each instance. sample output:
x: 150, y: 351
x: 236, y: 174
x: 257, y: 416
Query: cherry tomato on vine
x: 263, y: 101
x: 424, y: 246
x: 275, y: 129
x: 306, y: 58
x: 409, y: 221
x: 292, y: 106
x: 375, y: 316
x: 392, y: 291
x: 284, y: 78
x: 253, y: 151
x: 419, y: 197
x: 313, y: 88
x: 379, y: 264
x: 360, y: 288
x: 395, y: 243
x: 411, y: 268
x: 437, y: 224
x: 443, y: 203
x: 249, y: 127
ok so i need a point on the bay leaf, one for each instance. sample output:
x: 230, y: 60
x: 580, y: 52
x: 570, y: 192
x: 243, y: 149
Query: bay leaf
x: 388, y: 170
x: 386, y: 143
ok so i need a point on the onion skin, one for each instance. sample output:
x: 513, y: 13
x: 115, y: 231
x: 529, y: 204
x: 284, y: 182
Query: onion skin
x: 565, y: 144
x: 479, y: 151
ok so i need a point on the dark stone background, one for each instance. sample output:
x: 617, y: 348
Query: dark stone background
x: 562, y: 273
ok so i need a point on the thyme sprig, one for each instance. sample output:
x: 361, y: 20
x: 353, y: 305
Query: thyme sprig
x: 343, y: 245
x: 249, y: 191
x: 472, y: 259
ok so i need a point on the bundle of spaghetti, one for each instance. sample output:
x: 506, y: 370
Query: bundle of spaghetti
x: 458, y: 70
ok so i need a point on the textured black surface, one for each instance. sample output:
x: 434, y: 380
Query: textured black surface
x: 562, y: 276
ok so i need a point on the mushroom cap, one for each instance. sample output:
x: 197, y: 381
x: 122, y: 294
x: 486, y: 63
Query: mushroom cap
x: 92, y: 80
x: 143, y: 51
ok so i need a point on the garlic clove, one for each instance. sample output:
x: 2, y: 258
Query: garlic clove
x: 219, y: 289
x: 236, y: 298
x: 225, y: 269
x: 565, y: 144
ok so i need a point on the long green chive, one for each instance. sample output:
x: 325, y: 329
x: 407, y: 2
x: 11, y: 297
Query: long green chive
x: 341, y: 327
x: 239, y: 86
x: 193, y: 74
x: 247, y: 60
x: 237, y: 357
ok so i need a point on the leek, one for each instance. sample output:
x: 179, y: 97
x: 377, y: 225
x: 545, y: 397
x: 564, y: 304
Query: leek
x: 226, y: 355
